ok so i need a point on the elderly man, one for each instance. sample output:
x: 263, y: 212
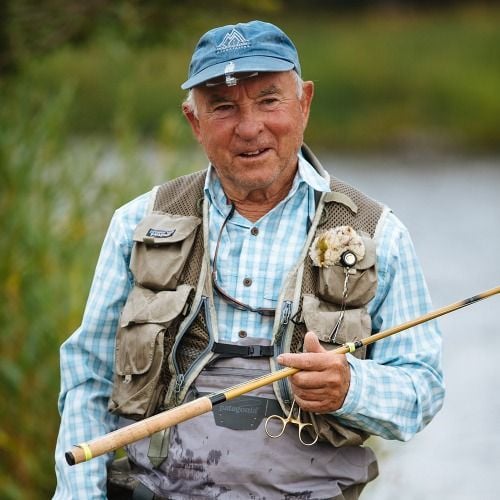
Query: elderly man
x: 221, y: 276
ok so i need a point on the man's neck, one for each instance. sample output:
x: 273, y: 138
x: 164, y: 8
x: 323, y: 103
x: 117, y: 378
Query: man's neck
x: 254, y: 204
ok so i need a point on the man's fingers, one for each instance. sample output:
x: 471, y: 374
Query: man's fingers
x: 324, y: 377
x: 316, y: 394
x: 332, y: 374
x: 315, y: 406
x: 311, y: 343
x: 312, y: 361
x: 314, y: 357
x: 304, y: 361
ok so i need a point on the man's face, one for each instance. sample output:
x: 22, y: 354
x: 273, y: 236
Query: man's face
x: 252, y: 132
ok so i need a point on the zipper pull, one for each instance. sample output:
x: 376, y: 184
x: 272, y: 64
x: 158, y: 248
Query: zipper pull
x: 179, y: 383
x: 287, y: 312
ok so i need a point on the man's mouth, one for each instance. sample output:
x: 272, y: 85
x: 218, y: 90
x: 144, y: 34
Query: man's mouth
x: 256, y: 152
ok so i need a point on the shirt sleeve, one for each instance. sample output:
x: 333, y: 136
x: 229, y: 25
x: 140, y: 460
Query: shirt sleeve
x: 87, y: 359
x: 399, y: 388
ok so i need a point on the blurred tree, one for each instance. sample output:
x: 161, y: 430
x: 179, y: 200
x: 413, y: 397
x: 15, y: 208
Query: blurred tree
x: 30, y: 27
x: 357, y: 4
x: 33, y: 27
x: 6, y: 61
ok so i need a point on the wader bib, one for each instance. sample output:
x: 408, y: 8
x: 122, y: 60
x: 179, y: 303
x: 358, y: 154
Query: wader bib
x: 167, y: 352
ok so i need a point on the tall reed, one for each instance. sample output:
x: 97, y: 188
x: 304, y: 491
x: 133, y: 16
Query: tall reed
x: 57, y: 194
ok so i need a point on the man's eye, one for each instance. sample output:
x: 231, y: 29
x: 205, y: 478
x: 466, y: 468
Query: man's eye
x: 224, y: 108
x: 270, y: 102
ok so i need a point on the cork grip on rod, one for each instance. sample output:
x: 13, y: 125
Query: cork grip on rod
x: 139, y: 430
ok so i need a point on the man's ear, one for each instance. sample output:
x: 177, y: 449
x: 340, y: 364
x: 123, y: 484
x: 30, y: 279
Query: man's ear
x: 192, y: 120
x: 306, y: 100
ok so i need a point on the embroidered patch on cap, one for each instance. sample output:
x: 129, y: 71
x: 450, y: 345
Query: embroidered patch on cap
x: 160, y: 233
x: 233, y: 40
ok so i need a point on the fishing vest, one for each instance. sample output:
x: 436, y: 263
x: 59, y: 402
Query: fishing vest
x: 165, y: 335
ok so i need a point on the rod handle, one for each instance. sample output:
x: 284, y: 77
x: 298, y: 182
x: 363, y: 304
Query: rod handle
x: 136, y: 431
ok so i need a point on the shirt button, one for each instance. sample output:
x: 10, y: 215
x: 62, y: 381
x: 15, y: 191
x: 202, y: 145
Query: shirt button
x: 247, y: 282
x: 242, y: 334
x: 254, y: 231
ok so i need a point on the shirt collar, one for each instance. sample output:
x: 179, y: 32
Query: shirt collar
x: 306, y: 174
x: 317, y: 180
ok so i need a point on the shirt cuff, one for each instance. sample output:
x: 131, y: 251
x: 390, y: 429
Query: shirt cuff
x: 351, y: 402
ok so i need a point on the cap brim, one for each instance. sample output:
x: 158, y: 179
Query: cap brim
x: 241, y: 65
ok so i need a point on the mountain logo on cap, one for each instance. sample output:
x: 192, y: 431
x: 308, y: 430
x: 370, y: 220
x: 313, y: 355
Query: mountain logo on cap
x: 233, y: 40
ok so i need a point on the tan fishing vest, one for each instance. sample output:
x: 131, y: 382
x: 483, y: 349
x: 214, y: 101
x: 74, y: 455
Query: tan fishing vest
x: 166, y: 330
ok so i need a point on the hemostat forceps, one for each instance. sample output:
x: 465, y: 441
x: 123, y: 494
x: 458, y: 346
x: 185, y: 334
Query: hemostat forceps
x: 290, y: 419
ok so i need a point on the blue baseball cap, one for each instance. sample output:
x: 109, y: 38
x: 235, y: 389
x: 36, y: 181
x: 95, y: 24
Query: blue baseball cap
x: 241, y: 48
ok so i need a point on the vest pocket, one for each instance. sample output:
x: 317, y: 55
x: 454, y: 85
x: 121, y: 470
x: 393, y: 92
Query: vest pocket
x: 361, y: 279
x: 143, y: 341
x: 162, y: 245
x: 323, y: 317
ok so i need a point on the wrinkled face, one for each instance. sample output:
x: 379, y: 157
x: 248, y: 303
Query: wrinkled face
x: 252, y: 132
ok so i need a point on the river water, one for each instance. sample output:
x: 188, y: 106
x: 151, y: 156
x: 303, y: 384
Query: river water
x: 452, y: 208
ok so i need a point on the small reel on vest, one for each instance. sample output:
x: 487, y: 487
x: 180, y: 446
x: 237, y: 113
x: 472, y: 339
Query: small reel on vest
x: 348, y: 259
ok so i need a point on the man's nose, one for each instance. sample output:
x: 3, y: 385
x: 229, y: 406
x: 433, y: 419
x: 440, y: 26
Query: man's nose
x: 249, y: 124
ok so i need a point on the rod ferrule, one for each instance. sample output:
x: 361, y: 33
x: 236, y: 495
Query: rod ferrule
x: 217, y: 398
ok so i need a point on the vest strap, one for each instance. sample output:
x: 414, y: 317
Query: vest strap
x: 242, y: 351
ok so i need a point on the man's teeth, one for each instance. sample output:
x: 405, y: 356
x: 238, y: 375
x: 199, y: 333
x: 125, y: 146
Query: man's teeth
x: 252, y: 153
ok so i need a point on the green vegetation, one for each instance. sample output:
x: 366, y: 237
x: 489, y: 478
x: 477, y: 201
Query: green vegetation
x: 386, y: 81
x: 85, y: 128
x: 56, y: 198
x: 383, y: 80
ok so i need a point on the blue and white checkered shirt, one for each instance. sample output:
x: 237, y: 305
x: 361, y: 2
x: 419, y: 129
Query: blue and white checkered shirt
x: 255, y: 258
x: 393, y: 394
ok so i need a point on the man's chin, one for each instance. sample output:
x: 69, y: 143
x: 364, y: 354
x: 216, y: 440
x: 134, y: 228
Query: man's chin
x: 254, y: 182
x: 255, y: 177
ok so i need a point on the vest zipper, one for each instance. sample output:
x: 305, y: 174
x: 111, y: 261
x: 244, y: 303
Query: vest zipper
x: 286, y: 314
x: 182, y: 378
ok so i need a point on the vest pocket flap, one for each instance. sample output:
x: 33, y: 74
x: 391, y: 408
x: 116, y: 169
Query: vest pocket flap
x: 370, y: 254
x: 146, y: 306
x: 163, y: 243
x: 322, y: 318
x: 137, y: 381
x: 143, y: 340
x: 135, y: 353
x: 163, y: 229
x: 361, y: 282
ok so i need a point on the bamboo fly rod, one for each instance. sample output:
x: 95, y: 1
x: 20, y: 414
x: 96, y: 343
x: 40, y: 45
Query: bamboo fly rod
x: 144, y: 428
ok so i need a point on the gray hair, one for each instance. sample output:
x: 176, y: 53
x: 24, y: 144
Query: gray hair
x: 190, y: 104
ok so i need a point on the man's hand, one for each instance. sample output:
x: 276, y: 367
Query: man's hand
x: 322, y: 384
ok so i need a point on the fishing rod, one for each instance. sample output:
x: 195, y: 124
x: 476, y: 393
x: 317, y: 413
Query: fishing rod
x: 134, y: 432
